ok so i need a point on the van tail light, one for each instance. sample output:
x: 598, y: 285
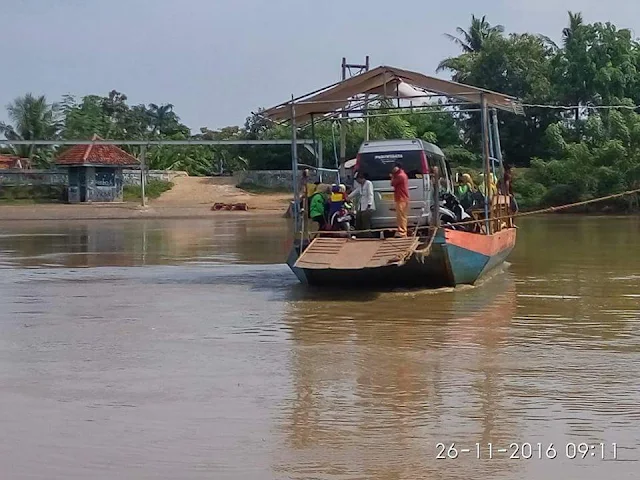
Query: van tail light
x: 425, y: 164
x: 357, y: 165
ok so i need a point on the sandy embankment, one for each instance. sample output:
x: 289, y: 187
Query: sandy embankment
x: 191, y: 197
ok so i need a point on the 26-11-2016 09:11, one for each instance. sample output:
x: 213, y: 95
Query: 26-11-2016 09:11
x: 526, y: 451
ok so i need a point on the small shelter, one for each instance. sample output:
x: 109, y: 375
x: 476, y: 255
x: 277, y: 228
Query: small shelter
x: 95, y: 171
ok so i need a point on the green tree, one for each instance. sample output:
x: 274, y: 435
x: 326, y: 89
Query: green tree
x: 473, y: 39
x: 520, y: 65
x: 32, y: 118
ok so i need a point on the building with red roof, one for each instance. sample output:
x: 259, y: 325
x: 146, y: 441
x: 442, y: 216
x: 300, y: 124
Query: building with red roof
x: 95, y: 171
x: 8, y: 162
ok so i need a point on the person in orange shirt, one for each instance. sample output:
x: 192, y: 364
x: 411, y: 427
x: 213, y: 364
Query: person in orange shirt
x: 400, y: 184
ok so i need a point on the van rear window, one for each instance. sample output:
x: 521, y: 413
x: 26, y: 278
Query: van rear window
x: 378, y: 165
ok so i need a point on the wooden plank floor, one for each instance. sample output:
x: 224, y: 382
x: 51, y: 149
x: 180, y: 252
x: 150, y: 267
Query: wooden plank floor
x: 355, y: 254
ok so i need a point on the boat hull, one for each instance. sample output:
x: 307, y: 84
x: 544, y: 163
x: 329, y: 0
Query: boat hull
x: 456, y: 258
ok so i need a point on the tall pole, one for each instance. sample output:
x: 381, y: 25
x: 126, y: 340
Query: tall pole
x: 498, y: 154
x: 344, y: 115
x: 143, y: 151
x: 315, y: 146
x: 496, y: 140
x: 343, y: 130
x: 320, y: 157
x: 294, y: 167
x: 487, y: 160
x: 366, y: 107
x: 491, y: 145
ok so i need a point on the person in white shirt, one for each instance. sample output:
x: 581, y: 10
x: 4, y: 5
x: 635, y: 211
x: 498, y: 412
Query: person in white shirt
x: 366, y: 204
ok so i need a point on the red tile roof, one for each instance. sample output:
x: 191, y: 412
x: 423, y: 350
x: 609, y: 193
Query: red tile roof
x: 96, y: 155
x: 11, y: 161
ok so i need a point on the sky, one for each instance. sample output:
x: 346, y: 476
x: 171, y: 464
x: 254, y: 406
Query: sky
x: 217, y: 61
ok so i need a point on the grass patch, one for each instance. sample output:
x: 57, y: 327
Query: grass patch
x: 153, y: 189
x: 22, y: 201
x: 260, y: 189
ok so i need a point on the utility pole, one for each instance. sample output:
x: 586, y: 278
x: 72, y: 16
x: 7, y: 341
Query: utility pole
x: 143, y: 151
x: 353, y: 70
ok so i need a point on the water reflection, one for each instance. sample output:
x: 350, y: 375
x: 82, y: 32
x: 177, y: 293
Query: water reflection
x: 213, y: 362
x: 377, y: 386
x: 144, y: 242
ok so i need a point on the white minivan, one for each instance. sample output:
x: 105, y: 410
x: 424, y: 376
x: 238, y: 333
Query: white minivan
x: 377, y: 158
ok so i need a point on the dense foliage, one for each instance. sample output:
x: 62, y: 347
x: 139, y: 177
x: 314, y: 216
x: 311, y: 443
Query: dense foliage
x: 560, y: 154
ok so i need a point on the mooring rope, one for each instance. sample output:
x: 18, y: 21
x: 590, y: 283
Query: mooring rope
x: 554, y: 209
x: 422, y: 253
x: 507, y: 217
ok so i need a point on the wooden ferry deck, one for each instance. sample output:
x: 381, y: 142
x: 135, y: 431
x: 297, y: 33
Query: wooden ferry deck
x: 355, y: 254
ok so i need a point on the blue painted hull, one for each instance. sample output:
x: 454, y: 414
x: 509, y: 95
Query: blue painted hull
x: 454, y: 260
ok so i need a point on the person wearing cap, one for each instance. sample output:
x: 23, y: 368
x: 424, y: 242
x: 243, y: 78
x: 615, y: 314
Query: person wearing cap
x: 400, y: 184
x: 366, y: 204
x: 306, y: 189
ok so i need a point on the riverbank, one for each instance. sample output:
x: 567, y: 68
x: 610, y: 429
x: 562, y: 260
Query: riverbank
x: 124, y: 211
x: 190, y: 197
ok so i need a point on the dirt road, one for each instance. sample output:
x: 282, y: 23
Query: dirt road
x: 197, y: 191
x: 191, y: 197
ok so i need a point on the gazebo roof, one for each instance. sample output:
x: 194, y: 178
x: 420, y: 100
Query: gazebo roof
x: 386, y: 82
x: 107, y: 155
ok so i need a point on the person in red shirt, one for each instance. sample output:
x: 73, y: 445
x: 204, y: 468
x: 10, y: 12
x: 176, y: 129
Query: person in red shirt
x: 400, y: 184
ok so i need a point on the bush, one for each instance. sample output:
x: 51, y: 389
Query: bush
x: 529, y: 194
x: 255, y: 188
x: 153, y: 189
x: 461, y: 157
x: 33, y: 193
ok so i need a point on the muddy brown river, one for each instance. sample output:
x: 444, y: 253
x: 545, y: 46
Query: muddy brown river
x: 187, y: 350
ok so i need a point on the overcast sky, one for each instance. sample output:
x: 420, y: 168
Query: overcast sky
x: 217, y: 60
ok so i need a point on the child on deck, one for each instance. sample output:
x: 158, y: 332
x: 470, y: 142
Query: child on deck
x: 337, y: 200
x: 341, y: 220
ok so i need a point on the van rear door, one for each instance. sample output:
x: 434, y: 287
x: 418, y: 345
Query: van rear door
x: 378, y: 165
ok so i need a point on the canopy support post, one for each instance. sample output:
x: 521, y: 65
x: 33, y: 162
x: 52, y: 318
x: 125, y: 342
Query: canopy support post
x: 496, y: 140
x: 366, y: 107
x: 294, y: 167
x: 320, y: 155
x: 343, y: 130
x: 492, y: 154
x: 315, y: 145
x: 487, y: 160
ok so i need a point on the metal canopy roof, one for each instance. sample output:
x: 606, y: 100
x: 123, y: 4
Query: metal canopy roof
x: 386, y: 82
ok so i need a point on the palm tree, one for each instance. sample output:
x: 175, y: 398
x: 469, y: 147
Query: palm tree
x: 479, y: 32
x: 33, y: 118
x: 575, y: 75
x: 459, y: 65
x: 160, y: 117
x: 471, y: 41
x: 575, y: 24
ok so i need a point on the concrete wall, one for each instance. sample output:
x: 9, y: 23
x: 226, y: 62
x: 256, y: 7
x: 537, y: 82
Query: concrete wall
x: 33, y: 177
x: 281, y: 179
x: 132, y: 177
x: 60, y: 177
